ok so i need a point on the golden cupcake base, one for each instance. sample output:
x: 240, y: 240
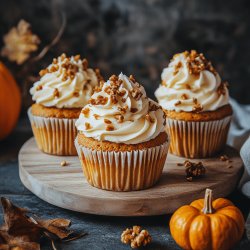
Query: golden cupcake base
x: 124, y: 170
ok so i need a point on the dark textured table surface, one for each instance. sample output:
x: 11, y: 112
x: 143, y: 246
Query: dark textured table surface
x: 103, y: 232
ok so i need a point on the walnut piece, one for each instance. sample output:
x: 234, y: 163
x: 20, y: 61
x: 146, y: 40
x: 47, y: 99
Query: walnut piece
x: 136, y: 237
x: 197, y: 62
x: 193, y: 170
x: 19, y: 43
x: 224, y: 158
x: 64, y: 163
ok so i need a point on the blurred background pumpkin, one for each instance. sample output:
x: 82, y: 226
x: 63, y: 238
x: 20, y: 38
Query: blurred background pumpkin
x: 10, y: 102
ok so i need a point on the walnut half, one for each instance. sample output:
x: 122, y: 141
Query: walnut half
x: 136, y: 237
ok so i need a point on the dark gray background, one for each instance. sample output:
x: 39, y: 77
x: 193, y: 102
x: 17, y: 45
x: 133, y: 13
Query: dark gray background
x: 140, y: 36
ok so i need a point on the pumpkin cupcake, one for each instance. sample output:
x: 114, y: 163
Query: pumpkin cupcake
x: 196, y: 103
x: 63, y: 89
x: 121, y: 142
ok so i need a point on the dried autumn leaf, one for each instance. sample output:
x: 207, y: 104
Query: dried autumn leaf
x: 18, y: 224
x: 20, y: 42
x: 9, y: 242
x: 57, y: 227
x: 21, y: 232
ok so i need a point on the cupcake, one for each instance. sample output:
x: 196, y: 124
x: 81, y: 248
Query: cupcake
x: 63, y: 89
x: 196, y: 103
x: 122, y: 143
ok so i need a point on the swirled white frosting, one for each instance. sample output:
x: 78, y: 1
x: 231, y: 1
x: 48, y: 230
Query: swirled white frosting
x: 180, y: 86
x: 58, y: 87
x: 126, y: 115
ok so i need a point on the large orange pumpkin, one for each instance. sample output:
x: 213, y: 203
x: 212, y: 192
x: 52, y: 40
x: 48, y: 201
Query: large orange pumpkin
x: 207, y: 224
x: 10, y: 101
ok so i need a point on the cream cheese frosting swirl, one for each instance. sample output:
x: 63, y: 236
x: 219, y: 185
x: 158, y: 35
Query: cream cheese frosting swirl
x: 191, y: 84
x: 119, y: 111
x: 66, y: 83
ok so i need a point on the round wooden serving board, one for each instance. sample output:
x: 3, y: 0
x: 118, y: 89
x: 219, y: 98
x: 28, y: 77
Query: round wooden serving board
x: 66, y: 187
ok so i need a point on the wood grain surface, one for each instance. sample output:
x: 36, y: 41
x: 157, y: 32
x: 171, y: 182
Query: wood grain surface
x: 66, y: 186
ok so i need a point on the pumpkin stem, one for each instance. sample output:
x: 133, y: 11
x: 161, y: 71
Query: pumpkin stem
x: 208, y: 208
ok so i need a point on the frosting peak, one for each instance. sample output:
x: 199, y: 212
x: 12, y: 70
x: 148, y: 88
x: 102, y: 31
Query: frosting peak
x: 119, y: 111
x: 191, y: 84
x: 66, y: 83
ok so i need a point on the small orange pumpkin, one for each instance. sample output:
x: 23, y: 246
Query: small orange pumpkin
x: 10, y: 101
x: 207, y: 224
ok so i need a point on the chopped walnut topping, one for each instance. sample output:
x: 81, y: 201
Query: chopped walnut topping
x: 136, y: 237
x: 64, y: 78
x: 43, y: 72
x: 224, y: 158
x: 85, y: 64
x: 123, y: 109
x: 149, y: 118
x: 132, y: 79
x: 55, y: 61
x: 63, y: 56
x: 136, y: 93
x: 85, y: 112
x: 123, y: 100
x: 96, y: 116
x: 107, y: 90
x: 163, y: 83
x: 53, y: 68
x: 77, y: 57
x: 87, y: 126
x: 99, y: 76
x: 76, y: 94
x: 177, y: 67
x: 39, y: 87
x: 177, y: 103
x: 97, y: 89
x: 184, y: 96
x: 119, y: 118
x: 133, y: 110
x: 153, y: 107
x: 188, y: 86
x: 107, y: 121
x: 197, y: 106
x: 113, y: 99
x: 121, y: 92
x: 100, y: 100
x: 221, y: 90
x: 113, y: 78
x: 197, y: 62
x: 64, y: 163
x: 56, y: 93
x: 110, y: 127
x: 86, y: 84
x: 67, y: 68
x: 193, y: 170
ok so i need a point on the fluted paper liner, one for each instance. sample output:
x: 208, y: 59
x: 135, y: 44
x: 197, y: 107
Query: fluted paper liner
x: 54, y: 135
x: 197, y: 139
x: 123, y: 171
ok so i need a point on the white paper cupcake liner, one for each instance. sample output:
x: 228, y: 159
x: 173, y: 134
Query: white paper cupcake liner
x: 194, y: 139
x: 54, y: 135
x: 123, y: 171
